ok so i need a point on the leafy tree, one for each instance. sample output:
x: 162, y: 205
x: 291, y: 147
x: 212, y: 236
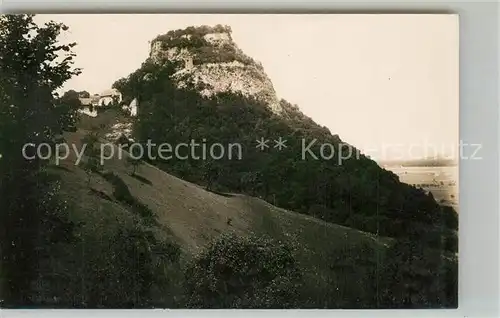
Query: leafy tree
x: 134, y: 159
x: 211, y: 173
x: 347, y: 289
x: 133, y: 269
x: 129, y: 272
x: 29, y: 113
x: 123, y: 141
x: 418, y: 277
x: 119, y: 84
x: 114, y: 101
x: 66, y: 110
x: 84, y: 94
x: 71, y: 94
x: 356, y: 192
x: 134, y: 163
x: 239, y: 272
x: 450, y: 217
x: 92, y: 161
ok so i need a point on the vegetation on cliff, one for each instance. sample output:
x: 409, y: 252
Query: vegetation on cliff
x: 348, y: 188
x: 105, y: 238
x: 202, y: 50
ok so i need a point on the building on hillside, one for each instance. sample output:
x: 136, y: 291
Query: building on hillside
x: 109, y: 96
x: 92, y: 103
x: 87, y: 107
x: 92, y: 100
x: 85, y: 101
x: 95, y: 99
x: 131, y: 108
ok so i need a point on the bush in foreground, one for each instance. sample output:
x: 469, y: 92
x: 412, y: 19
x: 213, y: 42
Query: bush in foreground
x: 243, y: 272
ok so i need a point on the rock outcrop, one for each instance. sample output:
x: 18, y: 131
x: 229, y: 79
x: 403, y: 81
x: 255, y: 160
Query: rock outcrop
x: 212, y: 61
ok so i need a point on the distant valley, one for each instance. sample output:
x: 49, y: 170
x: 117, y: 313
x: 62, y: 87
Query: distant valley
x: 441, y: 181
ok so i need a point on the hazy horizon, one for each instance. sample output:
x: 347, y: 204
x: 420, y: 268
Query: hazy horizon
x: 378, y: 81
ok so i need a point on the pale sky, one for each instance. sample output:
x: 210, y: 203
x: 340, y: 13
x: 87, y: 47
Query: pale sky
x: 379, y: 81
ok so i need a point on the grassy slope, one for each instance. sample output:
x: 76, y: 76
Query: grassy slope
x: 193, y: 216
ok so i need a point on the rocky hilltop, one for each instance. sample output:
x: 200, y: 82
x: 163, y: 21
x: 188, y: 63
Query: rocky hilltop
x: 198, y: 85
x: 211, y: 60
x: 178, y: 228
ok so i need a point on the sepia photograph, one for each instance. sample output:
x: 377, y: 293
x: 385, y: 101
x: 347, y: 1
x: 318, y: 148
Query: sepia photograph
x: 230, y: 161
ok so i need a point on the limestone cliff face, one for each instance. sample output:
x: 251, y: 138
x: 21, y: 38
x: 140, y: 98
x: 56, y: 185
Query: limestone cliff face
x: 211, y: 60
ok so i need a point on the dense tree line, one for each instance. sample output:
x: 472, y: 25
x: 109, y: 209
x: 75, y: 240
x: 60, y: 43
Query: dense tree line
x: 172, y: 36
x: 133, y: 268
x: 259, y: 272
x: 243, y: 272
x: 355, y: 191
x: 36, y: 228
x: 192, y: 38
x: 72, y: 94
x: 32, y: 213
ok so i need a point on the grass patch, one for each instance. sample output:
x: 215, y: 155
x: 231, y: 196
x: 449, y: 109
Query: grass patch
x: 122, y: 193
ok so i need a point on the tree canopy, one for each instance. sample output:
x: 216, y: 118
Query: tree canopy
x: 33, y: 65
x: 354, y: 191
